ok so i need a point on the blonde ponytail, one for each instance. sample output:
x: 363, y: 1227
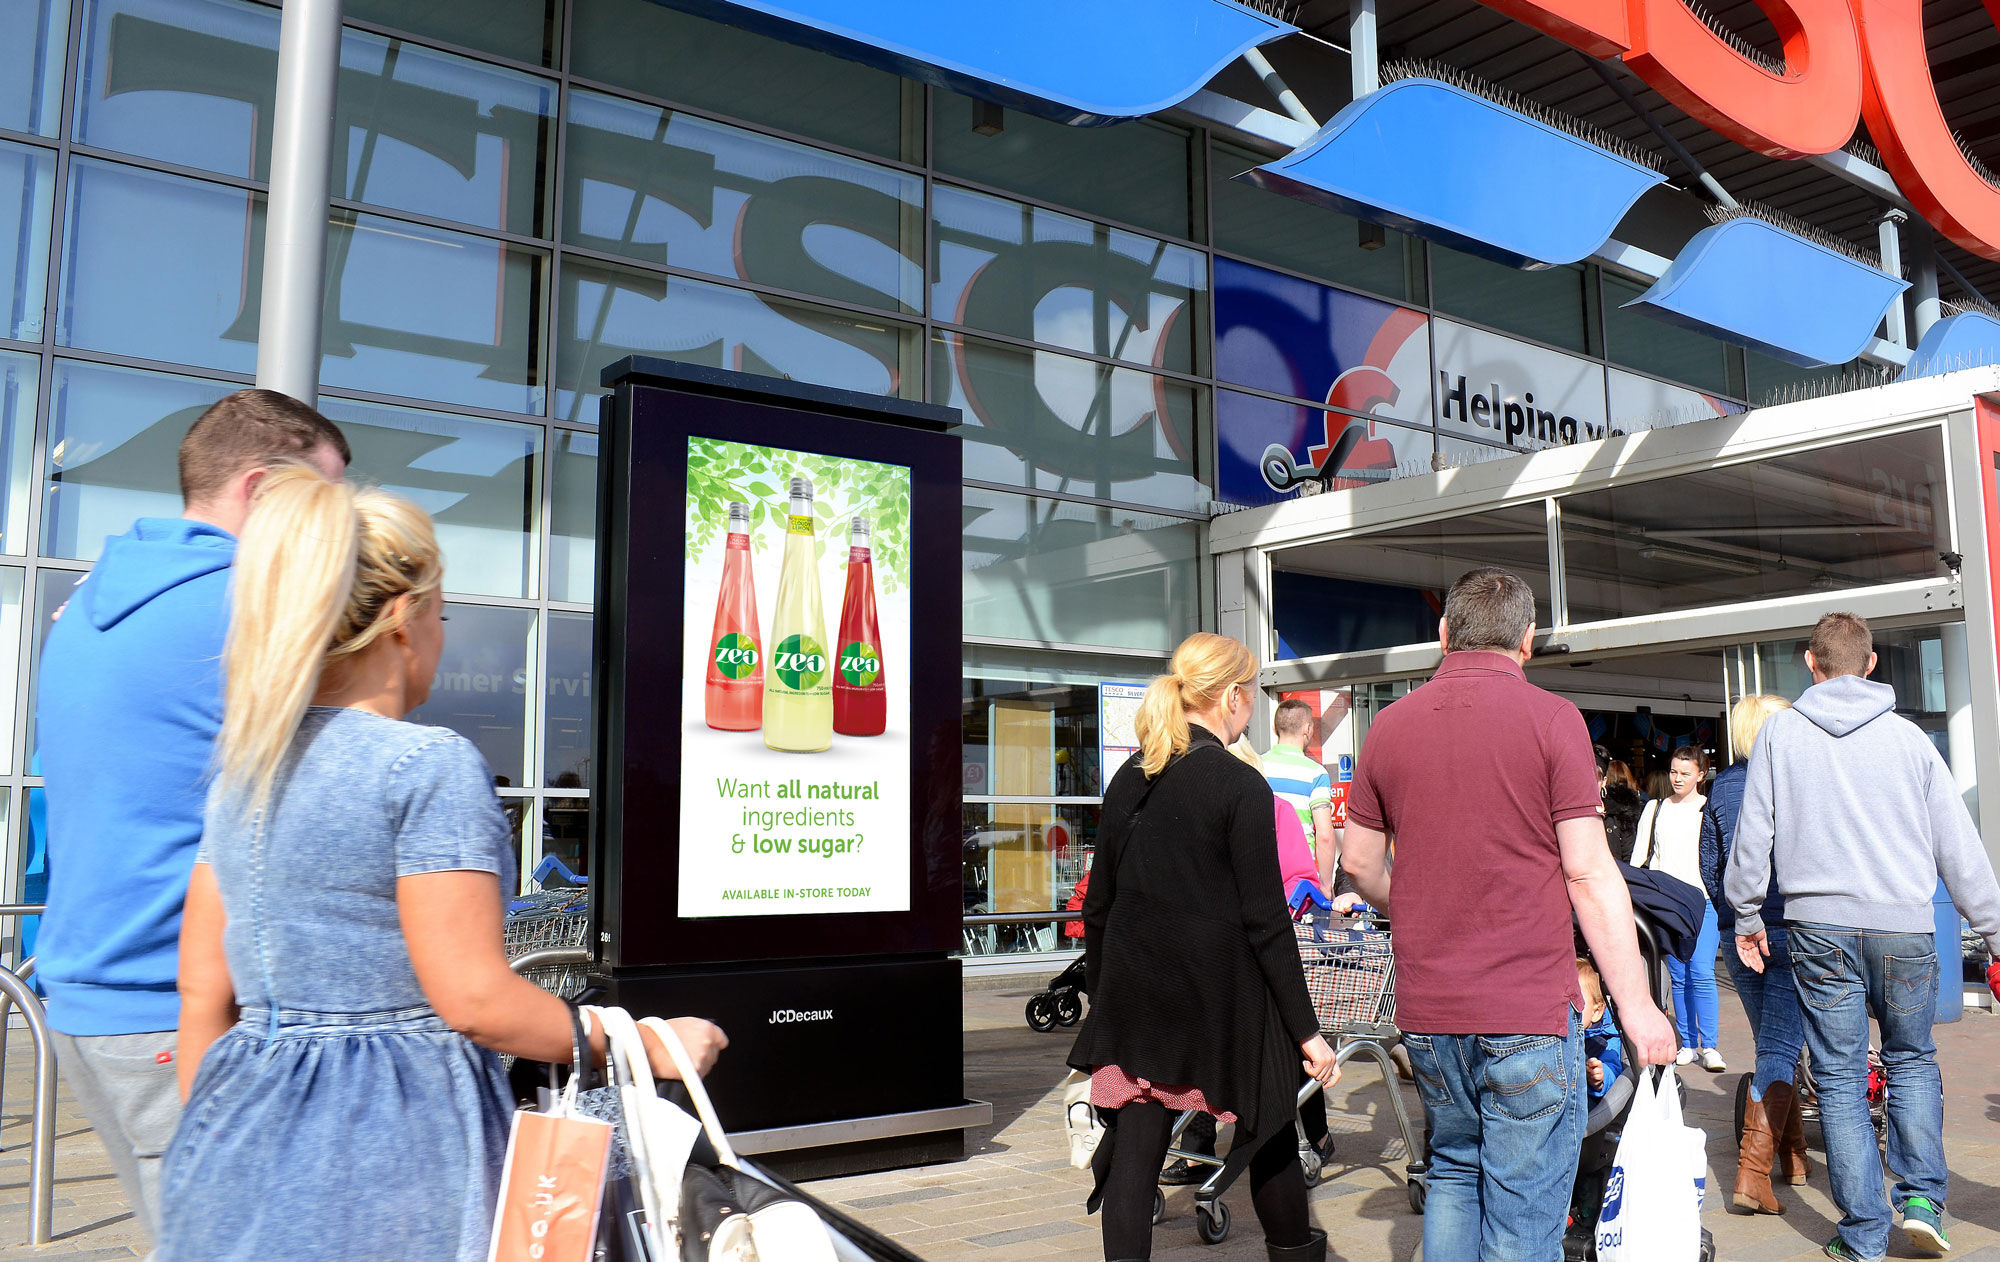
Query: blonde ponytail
x: 1204, y: 668
x: 294, y: 566
x: 318, y: 570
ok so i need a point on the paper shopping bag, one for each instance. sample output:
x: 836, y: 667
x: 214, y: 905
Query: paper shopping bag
x: 551, y: 1188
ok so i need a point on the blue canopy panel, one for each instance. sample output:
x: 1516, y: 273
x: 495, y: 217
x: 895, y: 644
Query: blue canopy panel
x: 1436, y: 161
x: 1753, y: 283
x: 1084, y: 62
x: 1970, y: 339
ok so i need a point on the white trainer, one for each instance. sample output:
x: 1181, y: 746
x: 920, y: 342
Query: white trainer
x: 1685, y: 1056
x: 1712, y: 1061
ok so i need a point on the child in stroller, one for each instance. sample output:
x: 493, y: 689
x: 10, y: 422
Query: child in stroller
x: 1603, y: 1046
x: 1612, y: 1100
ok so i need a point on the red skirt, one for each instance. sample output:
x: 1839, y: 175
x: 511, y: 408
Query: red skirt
x: 1113, y: 1088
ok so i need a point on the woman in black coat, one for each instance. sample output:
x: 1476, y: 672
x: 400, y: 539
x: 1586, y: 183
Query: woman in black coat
x: 1198, y: 998
x: 1623, y: 805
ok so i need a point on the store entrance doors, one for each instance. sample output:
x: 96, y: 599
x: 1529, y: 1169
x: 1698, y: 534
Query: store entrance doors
x: 1642, y: 705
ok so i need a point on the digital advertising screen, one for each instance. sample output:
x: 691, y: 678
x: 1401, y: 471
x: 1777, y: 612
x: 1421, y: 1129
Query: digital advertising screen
x: 777, y: 641
x: 795, y: 697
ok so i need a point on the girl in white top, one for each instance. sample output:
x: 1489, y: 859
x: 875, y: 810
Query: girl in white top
x: 1669, y: 842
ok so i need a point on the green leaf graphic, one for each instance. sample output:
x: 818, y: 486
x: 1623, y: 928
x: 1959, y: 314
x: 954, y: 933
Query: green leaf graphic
x: 720, y: 471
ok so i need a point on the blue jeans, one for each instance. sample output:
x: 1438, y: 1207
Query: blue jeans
x: 1843, y: 975
x: 1506, y: 1115
x: 1696, y: 1012
x: 1771, y: 1001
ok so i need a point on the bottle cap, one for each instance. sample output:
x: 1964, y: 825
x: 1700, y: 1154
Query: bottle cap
x: 739, y: 516
x: 802, y: 487
x: 860, y: 531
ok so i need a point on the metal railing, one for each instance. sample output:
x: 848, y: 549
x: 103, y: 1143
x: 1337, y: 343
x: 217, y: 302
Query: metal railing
x: 14, y: 990
x: 975, y: 919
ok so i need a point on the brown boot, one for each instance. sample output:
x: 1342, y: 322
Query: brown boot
x: 1793, y: 1164
x: 1759, y: 1150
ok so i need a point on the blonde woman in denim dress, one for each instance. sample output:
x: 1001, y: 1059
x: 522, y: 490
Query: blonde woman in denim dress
x: 344, y: 990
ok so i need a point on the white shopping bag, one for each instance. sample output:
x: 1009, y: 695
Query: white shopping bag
x: 1080, y: 1119
x: 1652, y: 1198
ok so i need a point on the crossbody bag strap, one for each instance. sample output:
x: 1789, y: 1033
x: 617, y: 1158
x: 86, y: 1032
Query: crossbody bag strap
x: 1652, y: 833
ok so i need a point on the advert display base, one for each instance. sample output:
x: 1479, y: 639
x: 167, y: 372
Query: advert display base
x: 812, y: 1044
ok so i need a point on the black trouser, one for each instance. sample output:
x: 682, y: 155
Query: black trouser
x: 1200, y: 1133
x: 1277, y: 1184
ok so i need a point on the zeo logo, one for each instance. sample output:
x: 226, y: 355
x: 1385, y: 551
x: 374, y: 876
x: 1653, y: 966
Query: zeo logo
x: 800, y: 663
x: 860, y: 664
x: 736, y: 656
x: 792, y: 1016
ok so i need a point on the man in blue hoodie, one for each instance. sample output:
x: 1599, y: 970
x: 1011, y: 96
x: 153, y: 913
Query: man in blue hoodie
x: 130, y: 705
x: 1853, y: 808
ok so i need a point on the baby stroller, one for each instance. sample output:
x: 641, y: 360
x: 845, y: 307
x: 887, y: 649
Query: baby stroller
x: 1605, y: 1123
x: 1061, y: 1003
x: 1878, y: 1095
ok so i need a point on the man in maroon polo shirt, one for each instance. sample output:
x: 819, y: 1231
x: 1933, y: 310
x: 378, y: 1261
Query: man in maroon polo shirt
x: 1488, y: 787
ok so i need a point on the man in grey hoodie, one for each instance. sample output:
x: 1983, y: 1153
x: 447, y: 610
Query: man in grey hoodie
x: 1856, y: 812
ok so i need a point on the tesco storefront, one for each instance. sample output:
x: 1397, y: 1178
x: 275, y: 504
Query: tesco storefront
x: 1192, y: 270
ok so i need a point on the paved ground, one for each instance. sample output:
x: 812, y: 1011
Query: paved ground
x: 1015, y: 1197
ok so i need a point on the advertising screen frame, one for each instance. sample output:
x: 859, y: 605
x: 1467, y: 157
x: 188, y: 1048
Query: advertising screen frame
x: 656, y: 406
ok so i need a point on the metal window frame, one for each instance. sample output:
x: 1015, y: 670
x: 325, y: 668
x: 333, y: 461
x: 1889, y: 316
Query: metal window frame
x: 1211, y: 586
x: 1243, y: 544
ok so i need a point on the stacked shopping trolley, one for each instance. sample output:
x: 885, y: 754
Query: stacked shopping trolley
x: 548, y: 938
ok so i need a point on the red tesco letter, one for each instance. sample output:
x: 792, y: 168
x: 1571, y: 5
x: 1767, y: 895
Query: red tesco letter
x: 1811, y: 108
x: 1909, y: 126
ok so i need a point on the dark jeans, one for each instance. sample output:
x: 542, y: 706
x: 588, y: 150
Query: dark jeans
x: 1506, y: 1115
x: 1771, y: 1001
x: 1843, y: 976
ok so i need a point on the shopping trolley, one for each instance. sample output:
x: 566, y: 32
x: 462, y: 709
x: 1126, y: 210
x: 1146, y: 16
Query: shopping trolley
x: 551, y: 920
x: 1350, y: 968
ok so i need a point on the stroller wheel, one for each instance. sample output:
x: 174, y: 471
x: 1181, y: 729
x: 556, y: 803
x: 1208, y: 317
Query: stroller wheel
x: 1417, y: 1195
x: 1211, y: 1221
x: 1707, y: 1245
x: 1041, y: 1014
x: 1068, y: 1009
x: 1159, y: 1207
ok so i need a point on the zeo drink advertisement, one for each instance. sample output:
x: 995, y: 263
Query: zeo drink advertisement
x: 795, y: 742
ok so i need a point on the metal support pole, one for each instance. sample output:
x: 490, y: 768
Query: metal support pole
x: 288, y: 332
x: 1674, y: 146
x: 1364, y: 50
x: 1958, y: 715
x: 42, y: 1136
x: 1889, y: 233
x: 1924, y: 282
x: 1274, y: 83
x: 1558, y: 572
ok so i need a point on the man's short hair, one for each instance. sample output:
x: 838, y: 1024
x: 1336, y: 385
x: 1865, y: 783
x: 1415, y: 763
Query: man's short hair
x: 1293, y: 718
x: 1488, y: 608
x: 247, y: 430
x: 1841, y: 644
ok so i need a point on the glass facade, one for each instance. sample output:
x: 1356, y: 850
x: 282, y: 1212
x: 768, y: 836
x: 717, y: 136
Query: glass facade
x: 528, y: 190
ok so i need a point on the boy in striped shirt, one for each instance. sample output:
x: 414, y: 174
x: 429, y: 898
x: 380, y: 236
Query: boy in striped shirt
x: 1303, y: 783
